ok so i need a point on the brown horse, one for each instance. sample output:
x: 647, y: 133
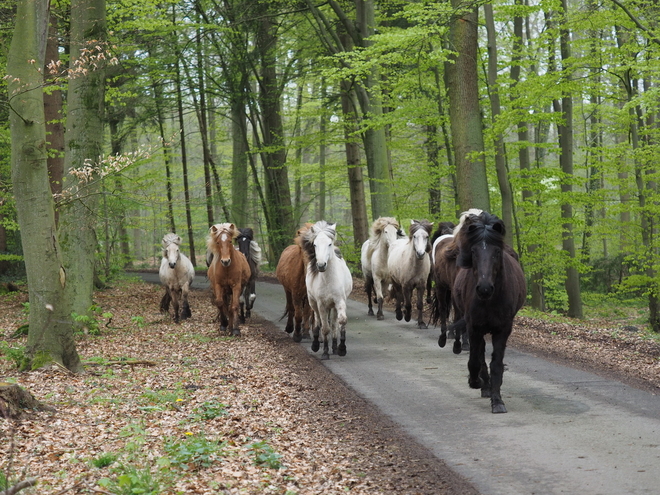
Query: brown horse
x: 291, y: 271
x: 229, y: 273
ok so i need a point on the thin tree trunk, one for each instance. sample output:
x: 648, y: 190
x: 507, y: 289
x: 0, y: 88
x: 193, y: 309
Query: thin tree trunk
x: 500, y: 154
x: 158, y: 98
x: 322, y: 150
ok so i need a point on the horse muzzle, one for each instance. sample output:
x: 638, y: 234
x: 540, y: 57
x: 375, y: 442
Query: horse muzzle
x: 321, y: 266
x: 225, y: 262
x: 485, y: 291
x: 420, y: 256
x: 172, y: 265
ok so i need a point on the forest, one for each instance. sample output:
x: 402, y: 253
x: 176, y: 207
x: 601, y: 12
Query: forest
x: 124, y: 120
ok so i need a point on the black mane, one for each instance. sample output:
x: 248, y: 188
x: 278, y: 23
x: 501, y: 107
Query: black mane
x: 484, y: 228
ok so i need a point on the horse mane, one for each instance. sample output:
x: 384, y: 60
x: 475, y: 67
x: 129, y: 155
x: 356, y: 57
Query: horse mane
x: 300, y: 232
x: 307, y: 240
x: 416, y: 225
x: 216, y: 231
x: 486, y: 228
x: 377, y: 229
x: 463, y: 216
x: 171, y: 238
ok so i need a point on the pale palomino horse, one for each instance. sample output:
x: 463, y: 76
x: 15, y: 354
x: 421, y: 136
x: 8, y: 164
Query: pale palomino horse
x: 329, y: 284
x: 409, y: 265
x: 229, y: 273
x: 374, y: 260
x: 176, y: 274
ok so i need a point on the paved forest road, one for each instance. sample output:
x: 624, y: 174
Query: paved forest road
x: 566, y: 431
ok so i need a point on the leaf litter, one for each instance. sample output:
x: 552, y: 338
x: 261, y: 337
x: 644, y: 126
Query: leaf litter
x: 181, y: 409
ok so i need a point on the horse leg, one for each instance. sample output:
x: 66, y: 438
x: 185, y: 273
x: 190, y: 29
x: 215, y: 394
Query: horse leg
x: 165, y: 301
x: 307, y: 319
x: 420, y: 307
x: 332, y: 322
x: 396, y: 293
x: 185, y: 307
x: 429, y: 288
x: 176, y: 295
x: 249, y: 304
x: 323, y: 316
x: 477, y: 350
x: 299, y: 317
x: 315, y: 326
x: 241, y: 307
x: 407, y: 302
x: 290, y: 311
x: 496, y: 371
x: 341, y: 321
x: 369, y: 287
x: 379, y: 289
x: 233, y: 310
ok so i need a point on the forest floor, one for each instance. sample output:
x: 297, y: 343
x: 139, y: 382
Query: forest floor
x: 165, y: 408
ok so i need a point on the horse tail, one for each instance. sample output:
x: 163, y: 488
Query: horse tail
x: 435, y: 309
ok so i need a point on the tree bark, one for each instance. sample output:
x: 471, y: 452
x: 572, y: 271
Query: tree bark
x: 464, y: 112
x: 51, y: 332
x: 83, y: 148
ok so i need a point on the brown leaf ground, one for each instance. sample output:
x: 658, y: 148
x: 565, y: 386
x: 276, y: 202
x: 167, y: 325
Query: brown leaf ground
x: 226, y: 399
x: 232, y: 399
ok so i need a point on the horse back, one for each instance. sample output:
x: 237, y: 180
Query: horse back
x: 444, y: 268
x: 290, y: 269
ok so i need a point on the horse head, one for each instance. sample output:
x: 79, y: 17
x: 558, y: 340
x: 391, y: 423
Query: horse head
x: 481, y: 244
x: 420, y: 230
x: 171, y: 250
x: 221, y: 241
x: 318, y: 243
x: 245, y: 237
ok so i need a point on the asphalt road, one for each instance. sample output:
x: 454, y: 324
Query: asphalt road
x: 567, y: 431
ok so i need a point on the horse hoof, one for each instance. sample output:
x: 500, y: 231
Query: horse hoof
x: 316, y: 345
x: 370, y: 312
x: 381, y: 317
x: 325, y: 356
x: 407, y: 316
x: 342, y: 350
x: 474, y: 383
x: 498, y: 408
x: 297, y: 337
x: 457, y: 347
x: 236, y: 332
x: 442, y: 340
x: 399, y: 315
x: 289, y: 329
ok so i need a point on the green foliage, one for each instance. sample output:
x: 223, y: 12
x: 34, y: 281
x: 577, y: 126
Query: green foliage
x: 210, y: 410
x: 265, y: 455
x: 104, y: 460
x: 89, y: 324
x: 138, y: 321
x: 15, y: 354
x: 131, y: 480
x: 40, y: 359
x: 193, y: 452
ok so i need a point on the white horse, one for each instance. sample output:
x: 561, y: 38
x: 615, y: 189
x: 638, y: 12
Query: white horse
x: 384, y: 232
x: 329, y: 284
x: 409, y: 266
x: 176, y: 274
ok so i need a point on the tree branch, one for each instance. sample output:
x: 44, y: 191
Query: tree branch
x: 19, y: 486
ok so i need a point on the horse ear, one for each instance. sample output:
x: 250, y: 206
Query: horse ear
x: 213, y: 229
x: 499, y: 227
x: 178, y: 240
x: 333, y: 226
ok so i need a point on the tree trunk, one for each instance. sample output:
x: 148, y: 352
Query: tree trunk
x: 500, y: 154
x: 53, y: 114
x: 355, y: 176
x: 278, y: 194
x: 565, y: 131
x: 51, y: 332
x: 465, y: 114
x: 83, y: 147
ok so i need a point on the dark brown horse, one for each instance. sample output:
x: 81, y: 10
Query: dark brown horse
x: 488, y: 291
x: 229, y: 273
x: 252, y: 252
x: 291, y: 270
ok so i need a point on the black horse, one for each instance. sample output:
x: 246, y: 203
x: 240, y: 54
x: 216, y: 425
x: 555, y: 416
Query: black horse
x: 251, y: 250
x: 489, y: 290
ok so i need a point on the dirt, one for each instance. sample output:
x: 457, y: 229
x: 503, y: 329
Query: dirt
x: 330, y: 440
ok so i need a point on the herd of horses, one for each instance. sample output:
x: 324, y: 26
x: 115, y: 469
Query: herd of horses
x: 470, y: 274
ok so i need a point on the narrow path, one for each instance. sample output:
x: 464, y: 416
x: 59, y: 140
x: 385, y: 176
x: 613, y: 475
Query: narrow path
x: 566, y: 431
